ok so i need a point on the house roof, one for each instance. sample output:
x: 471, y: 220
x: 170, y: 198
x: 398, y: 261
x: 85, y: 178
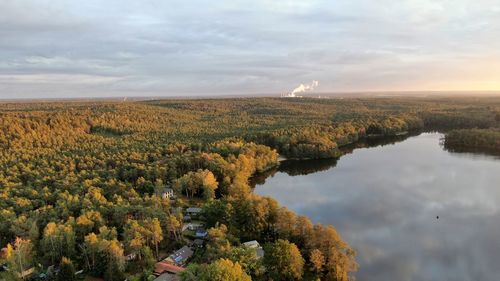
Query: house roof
x: 255, y: 245
x: 165, y: 191
x: 181, y: 255
x: 193, y: 210
x: 166, y: 277
x: 252, y: 244
x: 162, y: 267
x: 201, y: 233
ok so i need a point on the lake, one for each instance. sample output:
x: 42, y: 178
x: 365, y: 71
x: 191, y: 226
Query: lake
x: 385, y: 201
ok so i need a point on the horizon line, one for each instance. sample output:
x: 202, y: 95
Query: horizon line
x: 376, y: 93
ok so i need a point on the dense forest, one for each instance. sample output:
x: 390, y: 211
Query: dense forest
x: 473, y: 140
x: 81, y: 182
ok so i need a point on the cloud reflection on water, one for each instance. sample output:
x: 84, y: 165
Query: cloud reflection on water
x: 384, y: 202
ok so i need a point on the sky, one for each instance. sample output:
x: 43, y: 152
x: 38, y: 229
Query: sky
x: 95, y: 48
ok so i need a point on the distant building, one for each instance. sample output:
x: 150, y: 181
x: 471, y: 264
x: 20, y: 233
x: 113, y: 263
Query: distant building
x: 131, y: 257
x: 201, y: 233
x: 167, y: 277
x: 193, y: 211
x: 255, y: 245
x: 190, y: 226
x: 194, y: 226
x: 174, y: 263
x: 166, y: 267
x: 167, y: 193
x: 290, y: 95
x: 182, y: 255
x: 198, y: 243
x: 251, y: 244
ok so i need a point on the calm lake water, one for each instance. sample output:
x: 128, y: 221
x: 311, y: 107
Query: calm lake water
x: 385, y: 200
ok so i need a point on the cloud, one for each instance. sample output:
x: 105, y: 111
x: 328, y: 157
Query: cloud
x: 231, y: 47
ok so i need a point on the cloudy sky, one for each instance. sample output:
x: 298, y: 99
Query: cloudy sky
x: 56, y: 48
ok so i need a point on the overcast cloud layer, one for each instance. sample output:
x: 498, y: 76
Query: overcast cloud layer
x: 94, y: 48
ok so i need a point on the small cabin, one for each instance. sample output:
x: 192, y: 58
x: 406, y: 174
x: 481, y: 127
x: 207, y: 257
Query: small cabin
x: 193, y: 211
x: 259, y: 251
x: 193, y: 226
x: 166, y: 193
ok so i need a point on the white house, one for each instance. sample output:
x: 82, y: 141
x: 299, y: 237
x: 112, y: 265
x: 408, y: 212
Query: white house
x: 167, y: 193
x: 255, y: 245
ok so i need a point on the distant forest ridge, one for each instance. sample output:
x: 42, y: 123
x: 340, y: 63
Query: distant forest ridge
x: 320, y: 94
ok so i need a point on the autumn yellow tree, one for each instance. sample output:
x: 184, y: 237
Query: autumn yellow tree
x: 199, y: 182
x: 20, y: 256
x: 317, y: 261
x: 283, y: 261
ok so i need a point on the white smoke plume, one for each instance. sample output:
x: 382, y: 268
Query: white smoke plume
x: 303, y: 88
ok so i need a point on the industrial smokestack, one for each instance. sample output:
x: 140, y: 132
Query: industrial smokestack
x: 302, y: 88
